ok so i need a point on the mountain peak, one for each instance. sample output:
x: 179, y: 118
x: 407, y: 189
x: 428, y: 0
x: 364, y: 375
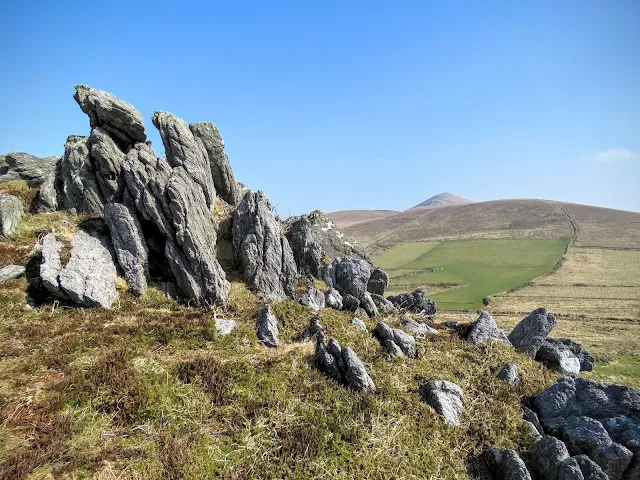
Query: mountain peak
x: 443, y: 199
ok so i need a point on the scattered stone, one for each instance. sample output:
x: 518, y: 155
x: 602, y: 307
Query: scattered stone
x: 225, y: 326
x: 11, y: 213
x: 314, y: 299
x: 506, y: 464
x: 446, y: 399
x: 510, y: 374
x: 417, y: 328
x: 356, y: 374
x: 378, y: 282
x: 529, y: 335
x: 359, y: 323
x: 263, y: 252
x: 369, y: 306
x: 558, y: 357
x: 10, y: 272
x: 395, y: 341
x: 485, y: 329
x: 547, y: 457
x: 414, y: 302
x: 350, y: 303
x: 342, y: 365
x: 267, y: 326
x: 333, y: 299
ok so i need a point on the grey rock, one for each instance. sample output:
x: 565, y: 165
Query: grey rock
x: 311, y: 331
x: 590, y: 470
x: 108, y: 160
x: 533, y: 430
x: 118, y: 118
x: 417, y: 328
x: 582, y: 434
x: 356, y: 375
x: 79, y: 185
x: 446, y: 399
x: 613, y: 459
x: 325, y: 360
x: 414, y: 302
x: 570, y: 470
x: 267, y: 326
x: 506, y: 464
x: 510, y: 374
x: 23, y: 166
x: 314, y: 299
x: 378, y: 281
x: 262, y: 250
x: 169, y: 289
x: 9, y: 272
x: 359, y: 323
x: 633, y: 471
x: 453, y: 325
x: 333, y: 299
x: 529, y: 335
x: 350, y: 303
x: 224, y: 326
x: 547, y: 457
x: 11, y: 213
x: 360, y: 312
x: 349, y: 276
x: 336, y: 351
x: 395, y: 340
x: 223, y: 179
x: 306, y: 251
x: 624, y: 430
x: 532, y: 417
x: 559, y: 357
x: 383, y: 305
x: 485, y: 329
x: 587, y: 361
x: 369, y: 306
x: 129, y: 244
x: 47, y: 196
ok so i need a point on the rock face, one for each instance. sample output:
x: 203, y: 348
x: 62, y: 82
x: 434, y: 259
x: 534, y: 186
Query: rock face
x: 88, y: 278
x: 11, y: 213
x: 417, y: 328
x: 107, y: 159
x: 378, y: 282
x: 395, y: 341
x: 529, y: 335
x: 315, y: 240
x: 10, y: 272
x: 37, y: 172
x: 223, y: 179
x: 349, y: 276
x: 510, y: 374
x: 130, y: 246
x: 80, y: 189
x: 559, y: 357
x: 446, y: 399
x: 314, y: 299
x: 267, y: 326
x: 506, y: 464
x: 414, y: 302
x: 485, y: 329
x: 342, y: 365
x: 262, y: 250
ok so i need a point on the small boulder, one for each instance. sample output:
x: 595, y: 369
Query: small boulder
x: 395, y: 341
x: 590, y: 470
x: 383, y: 305
x: 414, y: 302
x: 587, y: 361
x: 350, y: 303
x: 417, y: 328
x: 446, y: 399
x: 10, y: 272
x: 11, y: 213
x: 532, y: 417
x: 349, y: 276
x: 359, y: 324
x: 378, y: 281
x: 342, y: 365
x: 356, y: 374
x: 547, y: 457
x: 506, y: 464
x: 314, y: 299
x: 558, y: 357
x: 510, y: 374
x: 485, y: 329
x: 529, y: 335
x: 224, y: 326
x: 267, y: 326
x: 369, y: 306
x: 333, y: 299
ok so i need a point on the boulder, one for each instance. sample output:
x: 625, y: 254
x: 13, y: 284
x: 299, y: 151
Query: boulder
x: 547, y: 457
x: 267, y: 326
x: 359, y: 324
x: 529, y: 335
x: 378, y: 281
x: 570, y: 470
x: 311, y: 330
x: 223, y: 179
x: 350, y: 303
x: 11, y: 213
x: 342, y: 365
x: 314, y: 299
x: 383, y: 305
x: 23, y: 166
x: 624, y: 430
x: 89, y: 276
x: 589, y: 469
x: 395, y: 341
x: 349, y: 276
x: 587, y: 361
x: 333, y: 299
x: 9, y: 272
x: 485, y: 329
x: 224, y: 326
x: 356, y: 374
x: 417, y: 328
x: 510, y: 374
x: 558, y: 357
x: 262, y: 250
x: 328, y: 363
x: 414, y: 302
x: 532, y: 417
x: 446, y: 399
x: 369, y: 306
x: 506, y: 464
x: 129, y: 244
x: 79, y: 185
x: 306, y: 251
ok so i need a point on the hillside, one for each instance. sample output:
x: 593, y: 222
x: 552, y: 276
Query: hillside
x: 347, y: 218
x: 444, y: 199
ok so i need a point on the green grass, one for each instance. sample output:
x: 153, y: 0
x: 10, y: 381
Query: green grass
x: 401, y: 254
x: 623, y: 369
x: 484, y: 267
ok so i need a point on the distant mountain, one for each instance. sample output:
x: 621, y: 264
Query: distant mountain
x: 444, y: 199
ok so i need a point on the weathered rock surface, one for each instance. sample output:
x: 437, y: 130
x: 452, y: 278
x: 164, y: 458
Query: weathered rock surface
x: 108, y: 160
x: 342, y: 364
x: 485, y: 329
x: 589, y: 469
x: 349, y: 276
x: 88, y: 278
x: 225, y: 326
x: 417, y: 328
x: 267, y: 326
x: 369, y: 306
x: 378, y: 281
x: 383, y: 305
x: 506, y: 464
x: 395, y: 341
x: 23, y: 166
x: 9, y: 272
x: 314, y: 299
x: 532, y: 417
x: 11, y: 213
x: 547, y: 457
x: 414, y: 302
x: 262, y: 250
x: 333, y: 299
x: 356, y: 374
x: 446, y: 399
x: 129, y: 244
x: 510, y: 374
x: 559, y: 357
x: 624, y: 430
x: 223, y: 179
x: 587, y: 361
x: 359, y: 323
x: 529, y: 335
x: 350, y: 303
x: 80, y: 189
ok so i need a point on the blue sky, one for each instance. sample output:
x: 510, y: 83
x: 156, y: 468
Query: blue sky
x: 345, y: 105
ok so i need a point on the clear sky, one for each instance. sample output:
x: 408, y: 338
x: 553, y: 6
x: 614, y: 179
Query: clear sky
x: 345, y: 105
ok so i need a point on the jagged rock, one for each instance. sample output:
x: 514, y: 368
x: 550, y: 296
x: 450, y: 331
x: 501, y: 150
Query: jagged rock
x: 417, y: 328
x: 223, y: 179
x: 547, y: 457
x: 510, y: 374
x: 224, y: 326
x: 506, y: 464
x: 23, y: 166
x: 349, y: 276
x: 118, y: 118
x: 532, y: 417
x: 624, y: 430
x: 325, y: 360
x: 315, y: 239
x: 333, y: 299
x: 11, y: 213
x: 88, y: 278
x: 359, y: 323
x: 342, y: 364
x: 535, y: 433
x: 356, y: 374
x: 47, y: 196
x: 559, y: 357
x: 262, y: 250
x: 350, y: 303
x: 378, y: 281
x: 79, y: 186
x: 589, y: 469
x: 414, y: 302
x: 395, y: 341
x: 314, y: 299
x: 311, y: 331
x: 529, y: 335
x: 446, y: 399
x: 383, y: 305
x: 485, y: 329
x: 587, y: 361
x: 108, y: 160
x: 369, y: 306
x: 267, y: 326
x: 570, y: 470
x: 129, y: 244
x: 10, y: 272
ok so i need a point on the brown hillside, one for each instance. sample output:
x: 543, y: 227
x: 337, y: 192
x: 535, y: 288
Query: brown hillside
x: 346, y: 218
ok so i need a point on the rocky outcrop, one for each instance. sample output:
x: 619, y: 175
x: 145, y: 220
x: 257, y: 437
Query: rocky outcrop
x: 79, y: 185
x: 558, y: 357
x: 417, y: 328
x: 37, y: 172
x: 509, y: 373
x: 223, y: 179
x: 267, y: 326
x: 333, y: 299
x: 314, y: 299
x: 395, y: 341
x: 383, y: 305
x: 349, y: 276
x: 529, y: 335
x: 378, y: 281
x: 414, y: 302
x: 11, y: 213
x: 10, y: 272
x: 129, y: 244
x: 342, y: 365
x: 89, y: 276
x: 506, y: 464
x: 108, y: 160
x: 485, y: 329
x: 446, y: 399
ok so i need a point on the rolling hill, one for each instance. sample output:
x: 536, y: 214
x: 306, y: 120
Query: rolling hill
x: 444, y: 199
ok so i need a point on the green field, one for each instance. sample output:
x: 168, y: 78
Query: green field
x: 478, y: 268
